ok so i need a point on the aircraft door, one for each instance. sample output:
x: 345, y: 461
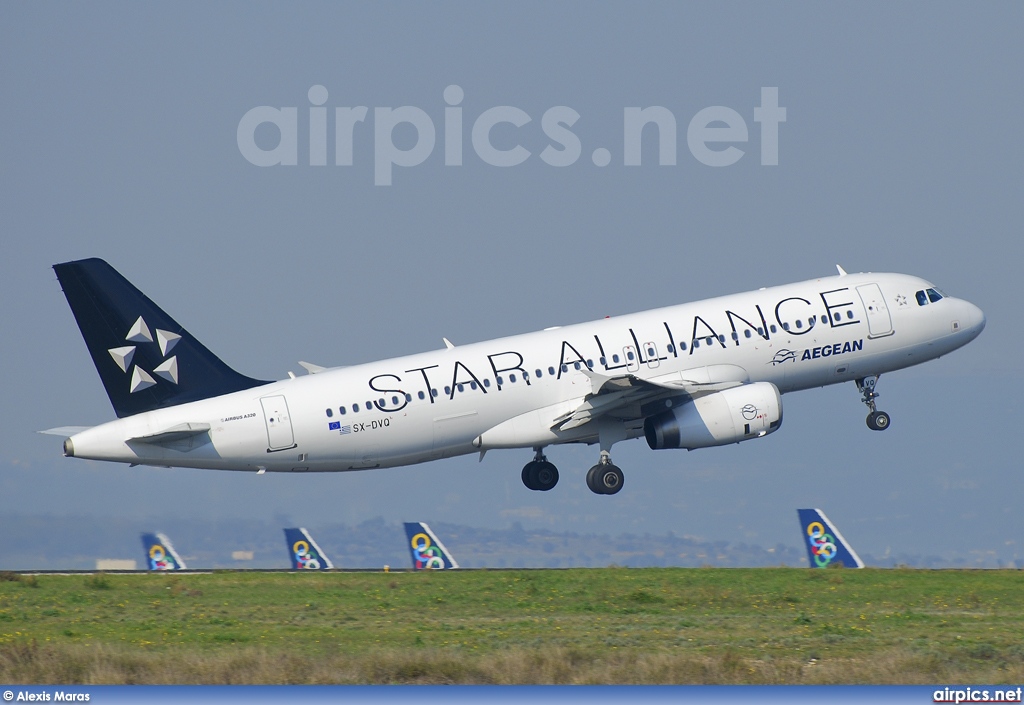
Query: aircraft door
x: 279, y: 423
x: 651, y: 353
x: 632, y: 361
x: 879, y: 321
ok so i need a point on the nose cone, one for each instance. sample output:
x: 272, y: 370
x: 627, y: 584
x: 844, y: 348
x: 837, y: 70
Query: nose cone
x: 972, y: 319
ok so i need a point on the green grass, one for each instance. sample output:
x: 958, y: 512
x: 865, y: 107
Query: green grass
x: 611, y: 625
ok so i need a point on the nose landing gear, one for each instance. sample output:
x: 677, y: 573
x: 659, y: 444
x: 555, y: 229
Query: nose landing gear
x: 877, y: 420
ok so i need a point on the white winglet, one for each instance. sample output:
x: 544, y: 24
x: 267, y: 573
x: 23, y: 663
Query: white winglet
x: 311, y: 368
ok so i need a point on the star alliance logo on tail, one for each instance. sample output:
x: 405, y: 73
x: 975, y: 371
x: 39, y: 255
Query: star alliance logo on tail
x: 140, y: 333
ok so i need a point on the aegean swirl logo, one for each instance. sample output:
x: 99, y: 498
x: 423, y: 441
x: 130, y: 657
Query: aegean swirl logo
x: 305, y: 556
x: 425, y: 554
x: 715, y: 135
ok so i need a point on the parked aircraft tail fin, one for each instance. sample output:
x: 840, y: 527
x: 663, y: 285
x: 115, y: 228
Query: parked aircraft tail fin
x: 427, y: 551
x: 160, y: 554
x: 825, y: 545
x: 303, y: 551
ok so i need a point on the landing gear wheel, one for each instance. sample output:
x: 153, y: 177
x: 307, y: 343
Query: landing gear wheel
x: 544, y: 476
x: 878, y: 420
x: 528, y: 475
x: 539, y: 474
x: 605, y: 478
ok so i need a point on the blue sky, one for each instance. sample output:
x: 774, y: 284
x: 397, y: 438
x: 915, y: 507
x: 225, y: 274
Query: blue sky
x: 119, y: 139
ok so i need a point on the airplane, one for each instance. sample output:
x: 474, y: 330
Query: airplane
x: 427, y: 551
x: 303, y: 551
x: 691, y: 376
x: 825, y: 545
x: 160, y: 554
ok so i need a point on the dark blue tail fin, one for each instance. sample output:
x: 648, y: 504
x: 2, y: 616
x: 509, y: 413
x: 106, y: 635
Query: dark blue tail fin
x: 825, y: 545
x: 303, y: 551
x: 160, y: 554
x: 145, y: 359
x: 428, y: 553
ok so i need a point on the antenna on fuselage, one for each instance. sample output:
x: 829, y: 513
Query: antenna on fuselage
x: 447, y: 343
x: 842, y: 272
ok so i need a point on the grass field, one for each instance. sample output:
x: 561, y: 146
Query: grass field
x: 614, y: 625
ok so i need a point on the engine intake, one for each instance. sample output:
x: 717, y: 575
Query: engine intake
x: 720, y: 418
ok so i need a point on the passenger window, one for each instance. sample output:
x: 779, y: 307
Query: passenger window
x: 590, y: 364
x: 512, y: 379
x: 433, y: 393
x: 615, y: 358
x: 539, y: 374
x: 760, y: 331
x: 696, y: 344
x: 330, y: 413
x: 650, y: 352
x: 551, y: 370
x: 671, y: 348
x: 707, y: 341
x: 922, y: 298
x: 394, y: 401
x: 630, y: 355
x: 576, y: 365
x: 461, y: 388
x: 565, y: 368
x: 721, y: 339
x: 408, y: 397
x: 341, y: 410
x: 736, y: 336
x: 774, y: 329
x: 785, y: 326
x: 472, y: 385
x: 421, y: 395
x: 448, y: 391
x: 682, y: 346
x: 849, y: 314
x: 355, y: 408
x: 747, y: 333
x: 799, y: 323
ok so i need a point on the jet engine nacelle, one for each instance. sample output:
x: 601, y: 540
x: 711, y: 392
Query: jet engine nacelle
x: 729, y: 416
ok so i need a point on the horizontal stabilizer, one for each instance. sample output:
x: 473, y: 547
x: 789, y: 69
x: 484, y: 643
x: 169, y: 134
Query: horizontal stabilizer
x: 66, y: 431
x: 176, y: 433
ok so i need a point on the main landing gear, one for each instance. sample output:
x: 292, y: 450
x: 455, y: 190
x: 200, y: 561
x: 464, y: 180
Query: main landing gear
x: 877, y: 420
x: 605, y: 478
x: 539, y: 474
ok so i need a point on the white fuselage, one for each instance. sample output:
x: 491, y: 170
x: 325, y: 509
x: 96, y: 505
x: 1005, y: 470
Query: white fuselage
x: 507, y: 392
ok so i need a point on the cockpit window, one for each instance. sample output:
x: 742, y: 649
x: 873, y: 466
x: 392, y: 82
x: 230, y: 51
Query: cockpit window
x: 922, y: 298
x: 934, y: 295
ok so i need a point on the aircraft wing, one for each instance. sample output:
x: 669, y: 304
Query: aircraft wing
x: 623, y: 396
